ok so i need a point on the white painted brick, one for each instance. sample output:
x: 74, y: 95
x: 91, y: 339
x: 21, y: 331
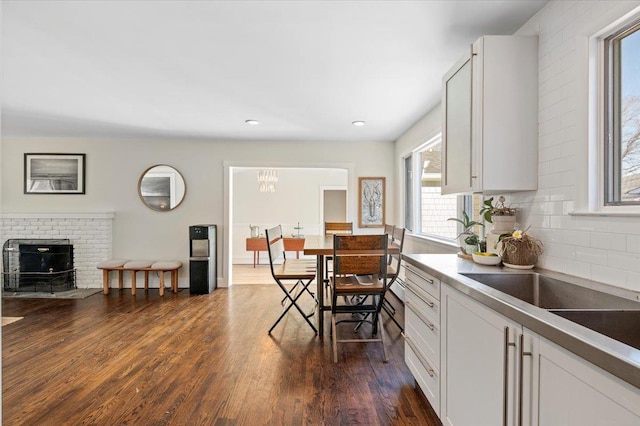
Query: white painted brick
x: 91, y: 239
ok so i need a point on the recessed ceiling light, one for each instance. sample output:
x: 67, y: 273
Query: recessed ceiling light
x: 358, y: 123
x: 252, y: 122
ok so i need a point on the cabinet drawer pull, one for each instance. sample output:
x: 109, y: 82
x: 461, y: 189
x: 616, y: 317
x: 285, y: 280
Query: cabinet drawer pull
x: 430, y: 304
x: 419, y: 275
x: 419, y: 315
x: 430, y: 370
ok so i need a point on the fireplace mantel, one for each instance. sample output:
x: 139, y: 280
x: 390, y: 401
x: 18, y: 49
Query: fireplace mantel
x: 58, y: 215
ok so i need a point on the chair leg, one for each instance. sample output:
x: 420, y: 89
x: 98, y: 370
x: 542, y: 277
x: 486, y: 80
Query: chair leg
x: 392, y: 316
x: 382, y: 338
x: 334, y: 338
x: 293, y: 301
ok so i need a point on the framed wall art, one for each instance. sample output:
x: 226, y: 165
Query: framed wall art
x: 371, y: 202
x: 54, y: 173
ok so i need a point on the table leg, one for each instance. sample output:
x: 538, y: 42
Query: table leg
x: 254, y: 258
x: 320, y: 293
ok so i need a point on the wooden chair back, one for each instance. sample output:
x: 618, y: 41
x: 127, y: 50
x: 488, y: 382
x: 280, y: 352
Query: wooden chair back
x: 360, y: 255
x: 338, y: 228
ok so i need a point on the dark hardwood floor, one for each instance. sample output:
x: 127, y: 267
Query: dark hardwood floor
x: 188, y: 359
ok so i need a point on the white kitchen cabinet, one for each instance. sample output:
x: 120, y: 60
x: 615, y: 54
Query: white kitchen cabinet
x: 422, y: 332
x: 490, y: 119
x: 574, y: 392
x: 478, y: 363
x: 490, y: 363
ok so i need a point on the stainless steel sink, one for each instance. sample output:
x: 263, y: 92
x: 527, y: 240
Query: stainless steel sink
x: 550, y: 293
x: 623, y: 326
x: 613, y: 316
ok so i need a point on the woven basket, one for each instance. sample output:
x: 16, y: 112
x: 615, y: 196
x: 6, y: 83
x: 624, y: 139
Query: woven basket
x: 518, y: 252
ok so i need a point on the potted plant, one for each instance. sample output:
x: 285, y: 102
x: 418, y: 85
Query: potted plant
x: 519, y: 249
x: 501, y: 216
x: 467, y: 233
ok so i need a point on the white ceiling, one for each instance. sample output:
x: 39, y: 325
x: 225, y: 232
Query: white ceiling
x: 199, y: 69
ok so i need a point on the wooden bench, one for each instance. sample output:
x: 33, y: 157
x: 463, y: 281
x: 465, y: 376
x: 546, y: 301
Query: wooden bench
x: 145, y: 266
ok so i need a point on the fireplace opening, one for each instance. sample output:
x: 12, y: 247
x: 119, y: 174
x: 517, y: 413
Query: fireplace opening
x: 38, y: 265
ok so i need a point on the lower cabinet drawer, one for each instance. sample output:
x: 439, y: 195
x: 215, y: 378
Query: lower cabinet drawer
x: 427, y: 377
x: 424, y: 333
x: 423, y: 280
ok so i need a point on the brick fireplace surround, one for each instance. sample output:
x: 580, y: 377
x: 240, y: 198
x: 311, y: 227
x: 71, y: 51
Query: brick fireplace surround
x: 90, y: 234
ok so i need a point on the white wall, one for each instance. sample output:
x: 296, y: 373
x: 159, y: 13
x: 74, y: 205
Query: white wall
x: 114, y: 167
x: 605, y: 249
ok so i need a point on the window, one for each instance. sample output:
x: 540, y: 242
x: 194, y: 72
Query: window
x: 622, y: 116
x: 426, y: 210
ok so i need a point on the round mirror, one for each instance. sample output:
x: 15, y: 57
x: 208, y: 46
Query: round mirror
x: 161, y: 188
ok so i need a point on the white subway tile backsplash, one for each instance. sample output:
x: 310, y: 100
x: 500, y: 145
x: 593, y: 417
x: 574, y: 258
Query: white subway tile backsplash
x: 608, y: 275
x: 576, y: 268
x: 591, y: 255
x: 576, y: 238
x: 624, y: 261
x: 632, y: 281
x: 600, y: 248
x: 633, y: 243
x: 608, y: 241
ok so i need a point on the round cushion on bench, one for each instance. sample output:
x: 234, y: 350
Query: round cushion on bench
x: 138, y: 264
x: 167, y: 265
x: 114, y: 263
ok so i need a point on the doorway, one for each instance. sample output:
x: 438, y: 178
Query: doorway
x: 297, y: 202
x: 333, y: 204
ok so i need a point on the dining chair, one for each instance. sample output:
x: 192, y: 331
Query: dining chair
x: 293, y: 276
x: 359, y: 269
x: 334, y: 228
x: 394, y: 258
x: 393, y: 270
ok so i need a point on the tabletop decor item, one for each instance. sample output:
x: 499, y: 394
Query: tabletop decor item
x: 467, y: 239
x: 484, y: 258
x: 501, y: 216
x: 520, y: 250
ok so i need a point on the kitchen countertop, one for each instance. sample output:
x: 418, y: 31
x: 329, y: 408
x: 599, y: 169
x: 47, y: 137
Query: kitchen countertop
x: 615, y: 357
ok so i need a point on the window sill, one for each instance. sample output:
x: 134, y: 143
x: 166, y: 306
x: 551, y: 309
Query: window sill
x: 445, y: 243
x: 605, y: 213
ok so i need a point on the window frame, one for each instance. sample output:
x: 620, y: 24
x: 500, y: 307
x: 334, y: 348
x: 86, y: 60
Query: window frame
x: 413, y: 200
x: 611, y: 99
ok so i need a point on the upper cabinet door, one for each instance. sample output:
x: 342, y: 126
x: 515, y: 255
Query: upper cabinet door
x: 490, y: 127
x: 456, y: 129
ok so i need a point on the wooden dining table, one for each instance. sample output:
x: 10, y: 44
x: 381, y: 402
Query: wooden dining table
x: 321, y: 246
